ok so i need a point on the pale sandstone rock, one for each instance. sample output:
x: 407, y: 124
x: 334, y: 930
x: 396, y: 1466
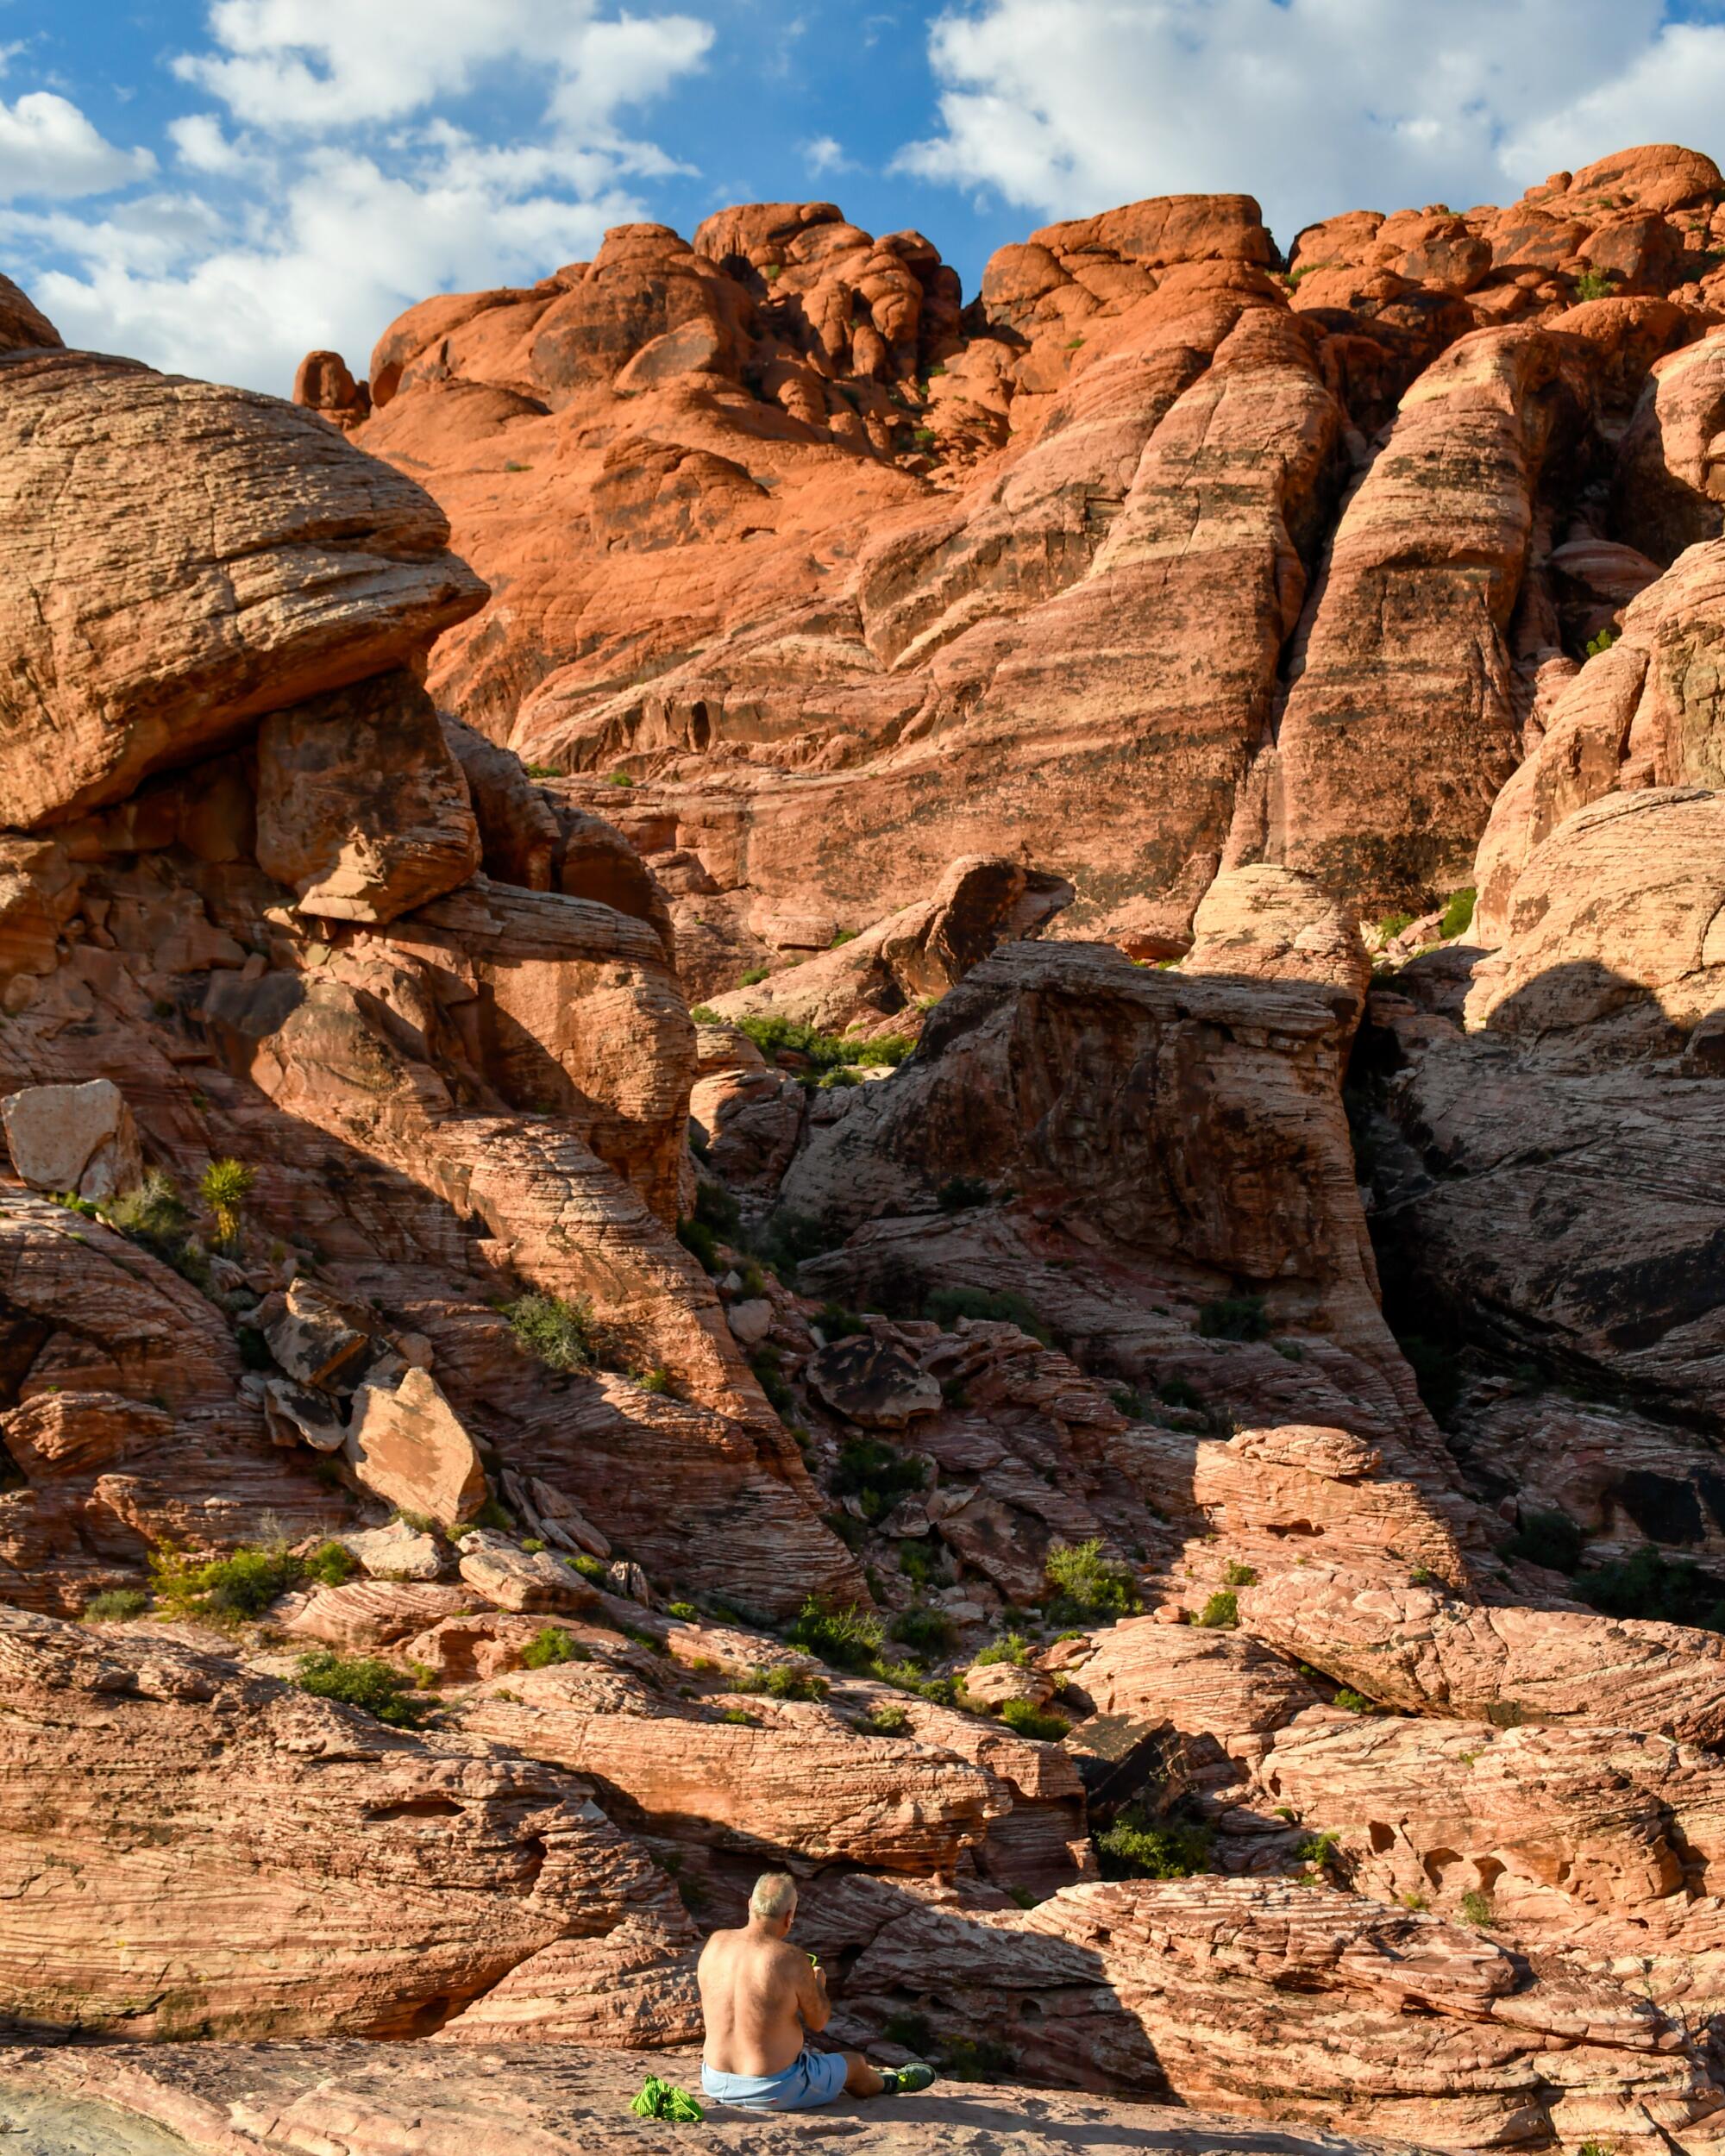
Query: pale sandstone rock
x: 1417, y: 1648
x: 406, y: 1443
x: 520, y: 1579
x: 993, y: 1683
x: 1270, y: 924
x: 361, y: 808
x: 55, y: 1434
x: 373, y: 1612
x: 78, y: 1138
x: 1669, y: 483
x: 317, y: 1340
x: 874, y: 1382
x: 395, y: 1552
x: 320, y: 567
x: 548, y: 2097
x: 443, y: 1866
x: 806, y: 1785
x: 1614, y: 926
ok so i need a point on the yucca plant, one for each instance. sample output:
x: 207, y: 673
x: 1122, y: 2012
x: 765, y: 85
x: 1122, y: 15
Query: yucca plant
x: 224, y: 1188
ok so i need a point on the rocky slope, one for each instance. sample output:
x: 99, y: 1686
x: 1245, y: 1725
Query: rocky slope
x: 746, y: 1170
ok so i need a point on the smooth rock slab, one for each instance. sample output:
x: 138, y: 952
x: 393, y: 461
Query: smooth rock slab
x: 79, y: 1139
x: 409, y: 1446
x: 872, y: 1382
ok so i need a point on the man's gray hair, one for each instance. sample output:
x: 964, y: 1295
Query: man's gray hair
x: 774, y: 1895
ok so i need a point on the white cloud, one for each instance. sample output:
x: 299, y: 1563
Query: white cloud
x: 48, y: 147
x: 824, y: 154
x: 1065, y: 107
x: 335, y: 189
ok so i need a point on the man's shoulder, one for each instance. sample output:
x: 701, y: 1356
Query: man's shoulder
x: 720, y: 1942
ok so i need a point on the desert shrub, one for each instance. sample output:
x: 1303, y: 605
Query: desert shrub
x: 687, y: 1611
x: 1647, y: 1585
x: 1593, y: 285
x: 775, y: 1036
x: 361, y: 1681
x: 562, y: 1334
x: 847, y: 1639
x: 152, y: 1214
x: 1027, y: 1720
x: 786, y: 1238
x: 1234, y: 1318
x: 1138, y: 1847
x: 923, y: 1630
x: 704, y: 1014
x: 1221, y: 1613
x: 958, y: 1193
x: 1317, y: 1852
x: 977, y: 2058
x: 699, y: 1241
x: 736, y: 1714
x: 946, y: 1305
x: 766, y: 1363
x: 229, y: 1589
x: 1237, y: 1575
x: 842, y: 936
x: 910, y: 2029
x: 225, y: 1186
x: 551, y: 1644
x: 331, y: 1564
x: 1550, y: 1539
x: 888, y: 1721
x: 1458, y: 914
x: 1355, y: 1702
x: 924, y: 1563
x: 782, y: 1683
x: 115, y: 1604
x: 590, y: 1567
x: 1011, y: 1646
x: 754, y: 976
x: 619, y: 778
x: 1603, y: 642
x: 1174, y: 1391
x: 836, y: 1323
x: 876, y: 1473
x: 1088, y: 1585
x: 657, y: 1379
x: 1476, y: 1908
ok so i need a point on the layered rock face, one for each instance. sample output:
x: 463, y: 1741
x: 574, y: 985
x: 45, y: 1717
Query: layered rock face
x: 1135, y: 1429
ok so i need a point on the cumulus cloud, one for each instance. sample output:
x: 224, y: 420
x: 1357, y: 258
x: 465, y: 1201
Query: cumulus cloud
x: 48, y: 147
x: 824, y: 154
x: 1067, y: 106
x: 331, y: 187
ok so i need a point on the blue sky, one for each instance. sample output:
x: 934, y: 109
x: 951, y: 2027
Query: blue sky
x: 217, y: 185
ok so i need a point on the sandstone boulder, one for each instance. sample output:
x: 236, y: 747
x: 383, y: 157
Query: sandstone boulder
x: 1419, y: 1648
x: 1270, y: 923
x: 361, y: 808
x: 407, y: 1445
x: 370, y: 1881
x: 872, y: 1382
x: 76, y: 1138
x: 518, y: 1579
x: 147, y: 639
x: 395, y: 1552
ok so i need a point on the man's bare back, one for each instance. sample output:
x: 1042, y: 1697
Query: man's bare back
x: 759, y: 1997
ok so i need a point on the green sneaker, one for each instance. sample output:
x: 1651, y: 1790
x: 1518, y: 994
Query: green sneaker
x: 907, y: 2081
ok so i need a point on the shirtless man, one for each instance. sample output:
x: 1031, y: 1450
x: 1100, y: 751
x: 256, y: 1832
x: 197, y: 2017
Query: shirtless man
x: 760, y: 1998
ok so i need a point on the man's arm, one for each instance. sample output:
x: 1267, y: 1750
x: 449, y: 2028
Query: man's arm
x: 813, y: 2003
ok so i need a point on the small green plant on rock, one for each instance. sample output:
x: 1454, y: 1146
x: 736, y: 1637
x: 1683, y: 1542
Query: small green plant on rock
x: 562, y: 1333
x: 114, y: 1605
x: 923, y: 1630
x: 1355, y: 1702
x: 551, y: 1644
x: 888, y: 1721
x: 754, y: 976
x: 1011, y: 1646
x: 1593, y: 285
x: 360, y: 1681
x: 1234, y: 1318
x: 1221, y: 1613
x: 849, y: 1638
x: 1476, y: 1909
x: 1024, y: 1719
x: 1138, y: 1847
x: 1237, y: 1575
x: 876, y: 1473
x: 946, y: 1305
x: 1088, y: 1587
x: 223, y: 1589
x: 1458, y: 914
x: 958, y: 1193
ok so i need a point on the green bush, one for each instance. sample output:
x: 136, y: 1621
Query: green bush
x: 229, y: 1589
x: 923, y: 1563
x: 978, y: 2059
x: 1221, y: 1613
x: 551, y: 1644
x: 1026, y: 1720
x: 1136, y: 1847
x: 960, y: 1193
x: 687, y: 1611
x: 1087, y: 1584
x: 619, y: 778
x: 911, y: 2030
x: 657, y: 1379
x: 331, y: 1564
x: 786, y: 1238
x: 1392, y: 925
x: 844, y: 1639
x: 225, y: 1186
x: 946, y: 1305
x: 1593, y: 285
x: 752, y: 979
x: 888, y: 1721
x: 702, y: 1244
x: 1234, y: 1318
x: 1603, y: 642
x: 876, y: 1473
x: 704, y: 1014
x: 1550, y: 1539
x: 1238, y: 1575
x: 1458, y: 914
x: 115, y: 1604
x: 1317, y: 1851
x: 1647, y: 1585
x: 775, y: 1036
x: 1476, y: 1908
x: 562, y: 1334
x: 360, y: 1681
x: 590, y: 1567
x: 542, y: 770
x: 782, y: 1683
x: 1174, y: 1391
x: 1011, y: 1646
x: 1355, y: 1702
x: 838, y: 1323
x: 923, y: 1630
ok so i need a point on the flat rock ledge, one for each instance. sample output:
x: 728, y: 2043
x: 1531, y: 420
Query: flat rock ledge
x: 359, y: 2099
